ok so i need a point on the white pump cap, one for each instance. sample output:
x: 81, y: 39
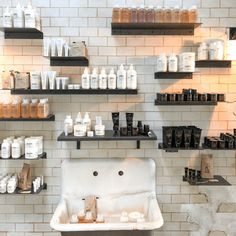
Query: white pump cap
x: 86, y: 70
x: 94, y: 70
x: 131, y: 67
x: 112, y: 71
x: 121, y: 67
x: 86, y: 116
x: 103, y: 71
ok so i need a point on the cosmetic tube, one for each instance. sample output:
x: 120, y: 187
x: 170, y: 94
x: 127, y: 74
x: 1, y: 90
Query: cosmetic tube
x: 44, y: 79
x: 58, y: 83
x: 52, y: 79
x: 129, y: 121
x: 59, y: 46
x: 46, y: 47
x: 66, y: 49
x: 115, y: 119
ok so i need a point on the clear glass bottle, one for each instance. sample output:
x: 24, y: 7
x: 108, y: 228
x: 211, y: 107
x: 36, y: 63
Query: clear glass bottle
x: 167, y: 15
x: 15, y: 109
x: 193, y: 14
x: 43, y: 108
x: 25, y: 108
x: 184, y: 15
x: 34, y: 108
x: 133, y: 14
x: 150, y: 14
x: 176, y: 15
x: 6, y: 109
x: 125, y: 15
x: 159, y: 15
x: 141, y: 14
x: 116, y: 14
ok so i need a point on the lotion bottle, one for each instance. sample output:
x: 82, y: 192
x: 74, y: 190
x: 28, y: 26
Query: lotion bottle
x: 30, y: 21
x: 86, y: 79
x: 18, y: 17
x: 103, y: 79
x: 68, y: 125
x: 87, y: 121
x: 94, y: 79
x: 16, y: 149
x: 7, y: 18
x: 112, y: 80
x: 6, y: 149
x: 121, y: 77
x: 131, y: 78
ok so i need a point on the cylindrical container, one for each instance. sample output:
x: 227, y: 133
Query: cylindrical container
x: 58, y: 83
x: 184, y: 15
x: 193, y: 15
x: 203, y: 52
x: 175, y: 16
x: 116, y: 14
x: 133, y: 14
x: 167, y: 14
x: 65, y: 82
x: 25, y: 108
x: 31, y: 148
x: 141, y: 14
x: 125, y: 15
x: 43, y: 108
x: 187, y: 62
x: 34, y: 108
x: 6, y: 109
x: 159, y: 15
x: 15, y: 109
x: 216, y: 50
x: 150, y: 15
x: 172, y: 63
x: 16, y: 149
x: 162, y: 63
x: 6, y: 149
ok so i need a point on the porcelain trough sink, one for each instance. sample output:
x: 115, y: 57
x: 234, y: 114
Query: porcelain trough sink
x: 120, y: 185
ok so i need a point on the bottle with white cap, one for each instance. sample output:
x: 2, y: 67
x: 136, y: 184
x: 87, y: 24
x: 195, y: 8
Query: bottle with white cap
x: 162, y: 63
x: 6, y: 149
x: 172, y: 63
x: 18, y: 17
x: 94, y: 79
x: 30, y: 21
x: 68, y: 125
x: 86, y: 79
x: 121, y: 77
x: 16, y: 149
x: 7, y: 18
x: 112, y: 79
x: 103, y: 79
x: 87, y: 121
x: 131, y: 78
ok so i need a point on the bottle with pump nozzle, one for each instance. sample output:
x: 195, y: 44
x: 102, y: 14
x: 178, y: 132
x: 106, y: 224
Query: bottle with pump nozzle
x: 103, y: 79
x: 86, y: 79
x: 18, y: 17
x: 30, y: 21
x: 79, y: 119
x: 121, y: 77
x: 87, y: 121
x: 94, y: 79
x: 112, y: 79
x: 7, y: 18
x: 68, y: 125
x: 131, y: 78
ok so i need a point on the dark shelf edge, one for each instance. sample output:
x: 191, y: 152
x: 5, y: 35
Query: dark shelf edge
x: 43, y: 156
x: 173, y: 75
x: 79, y: 92
x: 185, y: 103
x: 160, y: 146
x: 49, y: 118
x: 69, y: 61
x: 213, y: 64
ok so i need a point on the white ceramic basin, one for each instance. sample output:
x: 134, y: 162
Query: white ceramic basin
x: 133, y: 191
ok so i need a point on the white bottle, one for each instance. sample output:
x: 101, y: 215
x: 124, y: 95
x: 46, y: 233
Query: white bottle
x: 68, y: 125
x: 112, y: 80
x: 7, y: 18
x: 6, y: 149
x: 79, y: 119
x: 121, y: 78
x: 94, y: 79
x: 86, y: 79
x: 172, y: 63
x: 87, y: 121
x: 131, y: 78
x: 162, y: 63
x: 102, y: 79
x: 99, y: 127
x: 37, y: 19
x: 16, y: 149
x: 30, y: 20
x: 203, y: 52
x: 18, y: 17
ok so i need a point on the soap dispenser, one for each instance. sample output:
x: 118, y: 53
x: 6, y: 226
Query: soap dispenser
x: 112, y: 79
x: 131, y: 78
x: 79, y: 119
x: 86, y: 79
x: 121, y: 77
x: 103, y: 79
x: 94, y: 79
x: 7, y: 18
x: 18, y: 17
x: 87, y: 121
x: 30, y: 21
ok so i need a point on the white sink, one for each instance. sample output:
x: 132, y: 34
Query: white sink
x: 133, y: 191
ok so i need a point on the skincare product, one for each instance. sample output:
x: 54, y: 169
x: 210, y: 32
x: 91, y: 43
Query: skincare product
x: 203, y: 52
x: 129, y: 121
x: 79, y: 119
x: 53, y: 48
x: 15, y: 108
x: 103, y: 79
x: 16, y: 149
x: 86, y: 79
x: 46, y: 47
x: 66, y: 49
x: 31, y: 148
x: 80, y: 130
x: 35, y: 80
x: 90, y: 133
x: 5, y: 149
x: 162, y: 63
x: 44, y: 79
x: 68, y: 125
x: 52, y: 79
x: 99, y: 127
x: 187, y: 62
x: 7, y: 18
x: 87, y: 121
x: 60, y: 47
x: 64, y: 82
x: 112, y: 80
x: 25, y: 108
x: 121, y: 78
x: 43, y: 108
x: 58, y: 83
x: 34, y: 108
x: 115, y: 119
x: 94, y: 79
x: 131, y: 78
x: 30, y: 21
x: 18, y: 16
x: 172, y: 63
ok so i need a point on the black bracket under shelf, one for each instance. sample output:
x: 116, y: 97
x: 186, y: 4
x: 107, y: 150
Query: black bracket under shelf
x: 185, y: 103
x: 69, y: 61
x: 173, y: 75
x: 173, y: 149
x: 213, y: 64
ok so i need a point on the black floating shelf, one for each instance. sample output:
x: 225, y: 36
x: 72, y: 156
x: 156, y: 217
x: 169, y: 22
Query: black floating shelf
x: 49, y: 118
x: 18, y: 191
x: 160, y: 146
x: 213, y: 64
x: 69, y: 61
x: 217, y: 181
x: 217, y: 149
x: 173, y: 75
x: 154, y: 28
x: 22, y: 33
x: 185, y: 103
x: 77, y: 91
x: 109, y: 136
x: 43, y: 156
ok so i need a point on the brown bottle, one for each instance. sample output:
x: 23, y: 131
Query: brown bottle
x: 116, y: 14
x: 141, y: 14
x: 167, y: 15
x: 6, y: 109
x: 15, y: 109
x: 125, y: 15
x: 25, y: 108
x: 159, y: 15
x: 150, y: 15
x: 34, y: 108
x: 175, y: 18
x: 133, y: 15
x: 193, y: 14
x: 43, y: 108
x: 184, y: 16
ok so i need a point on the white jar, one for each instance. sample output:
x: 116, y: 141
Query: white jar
x: 162, y: 63
x: 80, y: 130
x: 121, y: 78
x: 203, y: 52
x: 86, y: 79
x: 40, y: 144
x: 31, y: 148
x: 112, y: 80
x: 102, y: 79
x: 131, y: 78
x: 21, y: 140
x: 7, y: 18
x: 216, y: 51
x: 94, y: 79
x: 187, y: 62
x: 16, y: 149
x: 68, y: 125
x: 172, y: 63
x: 6, y: 149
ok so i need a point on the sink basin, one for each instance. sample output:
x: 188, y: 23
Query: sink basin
x: 119, y: 185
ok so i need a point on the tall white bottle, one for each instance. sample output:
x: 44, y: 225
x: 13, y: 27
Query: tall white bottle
x: 7, y: 18
x: 18, y: 17
x: 103, y: 79
x: 131, y: 78
x: 121, y: 78
x: 112, y: 79
x: 30, y: 20
x: 86, y: 79
x: 94, y: 79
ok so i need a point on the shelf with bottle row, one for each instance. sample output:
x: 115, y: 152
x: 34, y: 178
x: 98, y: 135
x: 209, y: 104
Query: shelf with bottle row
x: 76, y: 91
x: 21, y: 33
x: 109, y: 136
x: 173, y: 149
x: 154, y: 28
x: 216, y: 181
x: 185, y: 103
x: 42, y: 156
x: 213, y: 64
x: 19, y: 191
x: 49, y: 118
x: 173, y: 75
x: 69, y: 61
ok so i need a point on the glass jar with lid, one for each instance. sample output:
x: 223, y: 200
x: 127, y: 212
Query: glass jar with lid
x: 141, y: 14
x: 159, y: 15
x: 116, y: 14
x: 150, y: 14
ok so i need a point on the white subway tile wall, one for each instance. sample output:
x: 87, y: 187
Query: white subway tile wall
x: 89, y: 20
